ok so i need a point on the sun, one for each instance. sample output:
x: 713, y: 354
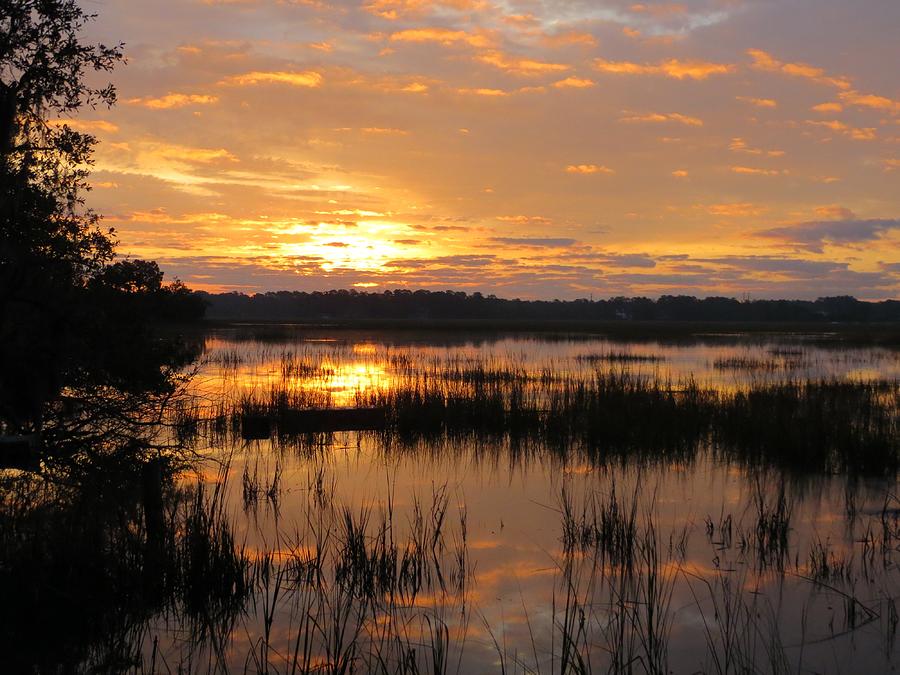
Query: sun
x: 368, y: 246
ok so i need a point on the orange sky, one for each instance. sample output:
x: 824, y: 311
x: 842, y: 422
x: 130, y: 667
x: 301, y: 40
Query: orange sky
x: 545, y: 148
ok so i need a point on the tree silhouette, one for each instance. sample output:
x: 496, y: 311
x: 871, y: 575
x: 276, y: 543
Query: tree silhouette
x: 76, y: 352
x: 45, y: 162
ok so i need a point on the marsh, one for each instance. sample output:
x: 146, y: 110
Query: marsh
x: 532, y: 503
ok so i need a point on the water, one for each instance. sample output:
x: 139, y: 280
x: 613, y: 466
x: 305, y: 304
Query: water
x: 477, y: 552
x: 715, y: 577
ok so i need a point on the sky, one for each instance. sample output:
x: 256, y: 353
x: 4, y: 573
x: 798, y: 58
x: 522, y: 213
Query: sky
x: 526, y: 148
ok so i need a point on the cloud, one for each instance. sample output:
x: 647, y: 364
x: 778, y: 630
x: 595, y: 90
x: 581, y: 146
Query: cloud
x: 740, y: 145
x: 524, y: 21
x: 828, y: 107
x: 679, y: 70
x: 384, y: 131
x: 535, y: 242
x: 395, y: 9
x: 834, y: 211
x: 570, y: 38
x: 441, y: 36
x: 521, y: 219
x: 659, y: 8
x: 753, y: 171
x: 766, y: 62
x: 172, y: 100
x: 290, y: 184
x: 786, y: 265
x: 586, y: 169
x: 305, y: 78
x: 483, y: 91
x: 734, y: 209
x: 182, y: 153
x: 574, y: 83
x: 856, y: 133
x: 758, y: 102
x: 813, y: 236
x: 466, y: 261
x: 854, y: 98
x: 662, y: 117
x: 87, y: 126
x: 519, y: 66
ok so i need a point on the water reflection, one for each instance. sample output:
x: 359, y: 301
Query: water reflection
x: 486, y: 552
x: 348, y: 364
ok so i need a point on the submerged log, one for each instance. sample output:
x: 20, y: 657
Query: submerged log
x: 256, y: 427
x: 334, y: 419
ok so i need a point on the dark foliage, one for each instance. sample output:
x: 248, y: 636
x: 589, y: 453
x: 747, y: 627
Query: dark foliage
x: 440, y: 305
x: 75, y: 329
x: 89, y: 567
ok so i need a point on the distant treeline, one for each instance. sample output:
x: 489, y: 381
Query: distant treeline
x: 344, y: 305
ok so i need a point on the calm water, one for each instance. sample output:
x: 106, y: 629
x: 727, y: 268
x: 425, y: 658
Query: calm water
x: 724, y: 567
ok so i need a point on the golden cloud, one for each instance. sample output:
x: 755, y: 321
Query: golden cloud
x: 519, y: 66
x: 870, y: 101
x: 173, y: 100
x: 587, y: 169
x: 765, y: 61
x: 758, y: 102
x: 856, y: 133
x: 752, y: 171
x: 87, y: 126
x: 574, y: 83
x: 740, y: 145
x: 482, y: 91
x: 828, y: 107
x: 394, y: 9
x: 662, y: 117
x: 679, y: 70
x: 520, y: 20
x: 384, y: 131
x: 442, y: 36
x: 306, y: 78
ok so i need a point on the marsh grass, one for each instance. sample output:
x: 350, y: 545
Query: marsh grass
x: 342, y: 594
x: 803, y: 425
x: 614, y: 613
x: 750, y: 364
x: 619, y: 357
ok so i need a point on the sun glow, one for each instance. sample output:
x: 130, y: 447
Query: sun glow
x: 365, y: 246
